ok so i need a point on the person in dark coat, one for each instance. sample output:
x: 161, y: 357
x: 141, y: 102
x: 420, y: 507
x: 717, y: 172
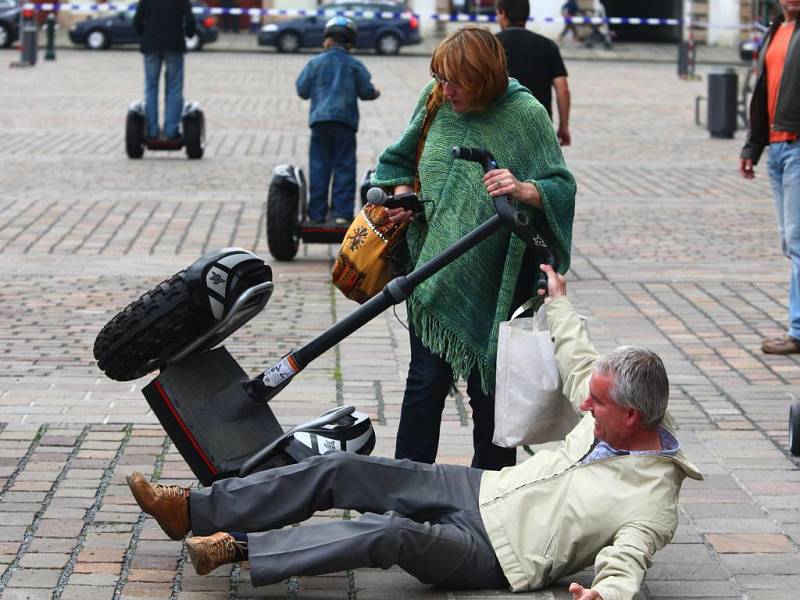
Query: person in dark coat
x: 163, y: 26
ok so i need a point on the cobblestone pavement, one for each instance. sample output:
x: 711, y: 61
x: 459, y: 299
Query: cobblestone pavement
x: 671, y: 249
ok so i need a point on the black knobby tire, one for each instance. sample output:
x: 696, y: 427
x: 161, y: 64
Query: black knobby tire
x: 194, y: 133
x: 148, y: 331
x: 134, y: 135
x: 283, y: 237
x: 794, y: 428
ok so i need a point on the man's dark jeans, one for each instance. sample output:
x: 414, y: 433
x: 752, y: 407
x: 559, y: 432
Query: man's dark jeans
x: 428, y: 383
x: 332, y: 152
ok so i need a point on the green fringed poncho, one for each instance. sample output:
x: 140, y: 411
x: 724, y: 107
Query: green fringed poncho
x: 457, y: 311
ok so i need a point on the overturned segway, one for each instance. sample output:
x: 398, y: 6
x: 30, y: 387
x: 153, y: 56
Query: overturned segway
x: 287, y: 214
x: 193, y: 132
x: 200, y: 396
x: 219, y: 418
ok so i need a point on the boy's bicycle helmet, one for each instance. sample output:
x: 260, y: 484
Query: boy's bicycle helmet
x: 342, y: 29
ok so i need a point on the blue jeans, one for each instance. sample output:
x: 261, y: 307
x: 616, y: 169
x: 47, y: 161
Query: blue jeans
x: 783, y: 166
x: 429, y: 380
x: 332, y: 152
x: 173, y: 100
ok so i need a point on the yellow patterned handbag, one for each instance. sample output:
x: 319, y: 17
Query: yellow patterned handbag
x: 363, y: 265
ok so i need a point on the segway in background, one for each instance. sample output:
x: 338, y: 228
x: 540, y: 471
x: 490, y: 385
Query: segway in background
x: 794, y: 427
x: 287, y: 214
x: 217, y: 417
x: 193, y: 132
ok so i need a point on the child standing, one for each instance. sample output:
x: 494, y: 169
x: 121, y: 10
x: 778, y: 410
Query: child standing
x: 334, y: 81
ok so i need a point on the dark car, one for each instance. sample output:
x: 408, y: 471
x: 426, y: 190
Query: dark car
x: 384, y: 26
x: 117, y: 29
x: 9, y: 22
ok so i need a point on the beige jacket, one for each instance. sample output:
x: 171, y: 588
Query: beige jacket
x: 549, y: 516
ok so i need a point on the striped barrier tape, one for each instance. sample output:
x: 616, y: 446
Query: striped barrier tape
x: 297, y: 12
x: 256, y: 13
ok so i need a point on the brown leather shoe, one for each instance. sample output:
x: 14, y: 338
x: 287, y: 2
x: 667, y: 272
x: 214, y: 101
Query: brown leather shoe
x: 785, y: 344
x: 208, y: 553
x: 168, y: 504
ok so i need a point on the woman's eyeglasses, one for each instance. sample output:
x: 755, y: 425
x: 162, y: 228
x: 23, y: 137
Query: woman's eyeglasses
x: 442, y: 80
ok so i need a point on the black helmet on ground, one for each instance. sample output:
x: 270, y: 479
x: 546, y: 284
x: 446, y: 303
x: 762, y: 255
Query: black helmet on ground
x: 342, y: 29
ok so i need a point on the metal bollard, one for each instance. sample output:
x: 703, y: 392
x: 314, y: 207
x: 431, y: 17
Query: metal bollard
x: 50, y: 49
x: 686, y: 60
x: 30, y: 40
x: 722, y: 102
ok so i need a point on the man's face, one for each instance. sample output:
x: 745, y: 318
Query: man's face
x: 791, y: 8
x: 612, y: 423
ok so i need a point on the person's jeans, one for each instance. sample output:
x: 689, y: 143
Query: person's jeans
x: 783, y: 166
x: 173, y: 101
x: 428, y: 383
x: 332, y: 152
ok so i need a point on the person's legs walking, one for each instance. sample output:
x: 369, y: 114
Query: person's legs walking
x: 428, y: 382
x: 277, y: 497
x: 453, y: 554
x: 783, y: 166
x: 173, y: 102
x: 344, y: 172
x: 152, y: 75
x: 487, y: 455
x: 320, y: 160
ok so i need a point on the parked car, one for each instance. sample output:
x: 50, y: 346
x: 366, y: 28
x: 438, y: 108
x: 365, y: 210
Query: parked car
x: 9, y: 22
x: 385, y: 33
x: 117, y: 29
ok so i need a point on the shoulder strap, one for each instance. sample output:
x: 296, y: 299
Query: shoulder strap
x: 431, y: 108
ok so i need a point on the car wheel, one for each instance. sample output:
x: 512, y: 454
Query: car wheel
x: 388, y: 44
x: 97, y: 40
x: 5, y: 36
x: 134, y: 135
x: 288, y: 42
x: 194, y: 43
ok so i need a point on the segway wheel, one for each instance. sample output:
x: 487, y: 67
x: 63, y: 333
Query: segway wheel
x: 134, y: 135
x: 283, y: 236
x: 794, y: 428
x: 148, y: 331
x: 194, y: 132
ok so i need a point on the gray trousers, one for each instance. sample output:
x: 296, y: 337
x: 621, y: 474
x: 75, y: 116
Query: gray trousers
x: 424, y: 518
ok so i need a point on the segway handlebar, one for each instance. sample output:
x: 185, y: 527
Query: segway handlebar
x: 265, y: 386
x: 408, y: 201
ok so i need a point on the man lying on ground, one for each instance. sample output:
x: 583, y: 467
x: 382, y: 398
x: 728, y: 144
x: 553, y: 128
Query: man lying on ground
x: 606, y: 496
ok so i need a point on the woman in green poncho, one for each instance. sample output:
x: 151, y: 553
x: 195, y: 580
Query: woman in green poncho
x: 454, y: 315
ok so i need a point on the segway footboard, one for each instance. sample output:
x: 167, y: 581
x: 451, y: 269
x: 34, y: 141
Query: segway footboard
x: 201, y: 403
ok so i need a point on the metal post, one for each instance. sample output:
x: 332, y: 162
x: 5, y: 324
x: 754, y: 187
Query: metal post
x: 28, y: 37
x: 50, y: 50
x: 686, y: 49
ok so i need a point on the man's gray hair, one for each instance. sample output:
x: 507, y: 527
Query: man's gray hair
x: 640, y: 382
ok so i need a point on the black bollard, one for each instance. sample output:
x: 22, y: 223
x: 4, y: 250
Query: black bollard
x: 50, y: 49
x: 28, y: 34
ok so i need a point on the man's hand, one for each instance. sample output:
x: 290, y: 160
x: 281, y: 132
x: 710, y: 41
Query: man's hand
x: 746, y: 168
x: 581, y: 593
x: 556, y: 284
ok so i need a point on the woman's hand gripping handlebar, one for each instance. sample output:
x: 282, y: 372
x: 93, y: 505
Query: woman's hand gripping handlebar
x: 509, y: 213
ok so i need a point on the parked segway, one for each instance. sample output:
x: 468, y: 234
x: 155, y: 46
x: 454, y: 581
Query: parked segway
x: 193, y: 132
x: 219, y: 418
x: 287, y: 214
